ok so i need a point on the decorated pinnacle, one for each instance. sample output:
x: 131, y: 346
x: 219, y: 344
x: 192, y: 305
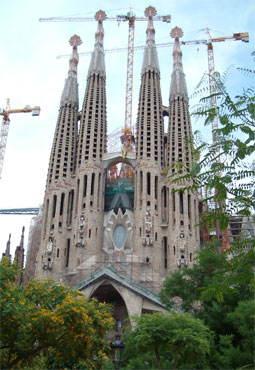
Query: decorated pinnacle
x: 150, y: 11
x: 75, y: 41
x: 100, y: 15
x: 73, y: 62
x: 150, y: 58
x: 97, y: 59
x: 176, y: 32
x: 178, y: 83
x: 70, y: 91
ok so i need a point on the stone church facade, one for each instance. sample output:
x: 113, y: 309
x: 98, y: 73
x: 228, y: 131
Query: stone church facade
x: 118, y: 237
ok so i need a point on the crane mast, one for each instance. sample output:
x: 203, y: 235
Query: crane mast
x: 215, y: 123
x: 6, y: 124
x: 212, y: 83
x: 130, y: 69
x: 127, y: 138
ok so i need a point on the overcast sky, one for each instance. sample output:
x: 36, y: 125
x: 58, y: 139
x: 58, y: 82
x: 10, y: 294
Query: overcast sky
x: 30, y: 74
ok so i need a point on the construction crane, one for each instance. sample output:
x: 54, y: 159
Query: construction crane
x: 20, y: 211
x: 6, y: 123
x: 244, y: 36
x: 211, y: 69
x: 127, y: 138
x: 241, y: 36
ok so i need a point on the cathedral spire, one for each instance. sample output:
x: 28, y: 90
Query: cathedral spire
x: 7, y: 252
x: 62, y: 159
x: 70, y: 91
x: 21, y: 244
x: 8, y: 246
x: 92, y: 137
x: 178, y: 82
x: 150, y: 58
x: 97, y: 64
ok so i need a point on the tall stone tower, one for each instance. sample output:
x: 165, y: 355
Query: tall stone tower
x: 183, y: 209
x: 59, y: 194
x: 149, y: 161
x: 116, y: 236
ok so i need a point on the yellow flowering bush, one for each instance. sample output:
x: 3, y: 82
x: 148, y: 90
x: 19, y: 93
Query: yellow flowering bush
x: 47, y: 320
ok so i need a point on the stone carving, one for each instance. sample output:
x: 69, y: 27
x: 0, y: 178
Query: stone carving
x: 147, y: 240
x: 50, y: 245
x: 112, y: 222
x: 182, y: 262
x: 182, y: 243
x: 81, y: 231
x: 47, y: 265
x: 82, y: 224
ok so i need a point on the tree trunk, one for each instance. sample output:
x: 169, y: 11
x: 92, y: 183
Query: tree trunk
x: 158, y: 358
x: 175, y: 362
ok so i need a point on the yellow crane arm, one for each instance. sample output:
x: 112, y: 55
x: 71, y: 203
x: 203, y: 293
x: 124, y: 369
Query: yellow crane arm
x: 6, y: 123
x: 240, y: 36
x: 35, y: 111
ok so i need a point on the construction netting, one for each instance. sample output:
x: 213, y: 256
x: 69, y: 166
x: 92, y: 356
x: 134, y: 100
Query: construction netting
x: 119, y: 193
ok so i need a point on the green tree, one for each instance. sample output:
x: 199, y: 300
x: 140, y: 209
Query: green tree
x: 224, y: 169
x: 45, y: 322
x: 222, y: 299
x: 220, y: 285
x: 167, y: 340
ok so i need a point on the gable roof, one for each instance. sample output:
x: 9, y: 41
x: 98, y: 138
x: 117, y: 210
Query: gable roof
x: 110, y: 274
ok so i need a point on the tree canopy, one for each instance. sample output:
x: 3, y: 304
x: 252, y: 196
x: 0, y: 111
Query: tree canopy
x: 48, y: 323
x: 167, y: 340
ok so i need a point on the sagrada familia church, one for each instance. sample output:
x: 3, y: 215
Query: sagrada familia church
x: 117, y: 237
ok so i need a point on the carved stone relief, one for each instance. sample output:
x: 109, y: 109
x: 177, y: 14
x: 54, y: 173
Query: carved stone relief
x: 118, y: 231
x: 81, y: 232
x: 148, y: 226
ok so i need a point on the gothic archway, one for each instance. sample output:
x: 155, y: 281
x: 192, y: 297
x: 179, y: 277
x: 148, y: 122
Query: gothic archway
x: 108, y: 294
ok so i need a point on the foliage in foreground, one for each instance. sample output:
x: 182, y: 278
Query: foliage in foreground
x: 167, y: 341
x: 226, y: 169
x: 223, y: 297
x: 46, y: 325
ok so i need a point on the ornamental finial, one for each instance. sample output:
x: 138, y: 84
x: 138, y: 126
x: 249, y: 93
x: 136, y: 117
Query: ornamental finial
x: 75, y: 41
x: 73, y: 62
x: 176, y: 32
x: 150, y: 11
x: 100, y: 15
